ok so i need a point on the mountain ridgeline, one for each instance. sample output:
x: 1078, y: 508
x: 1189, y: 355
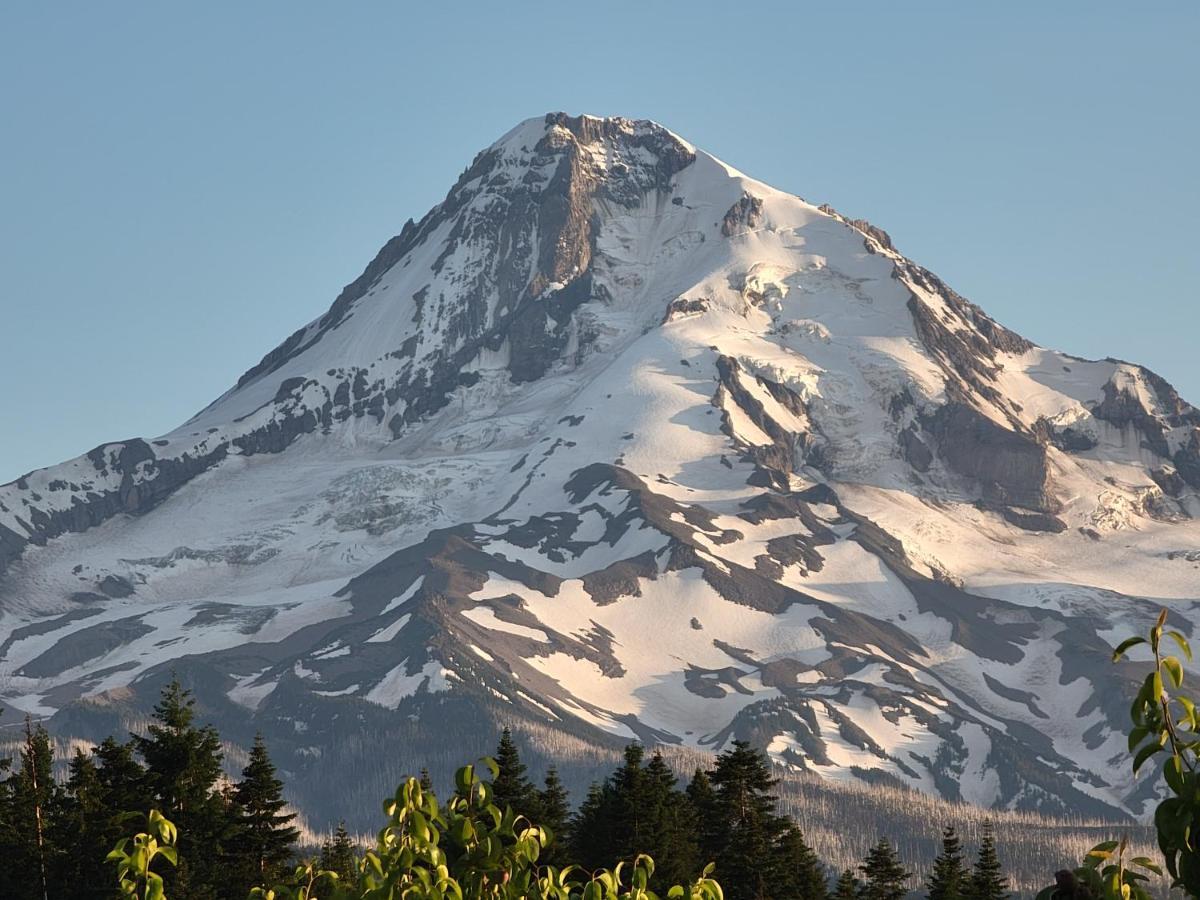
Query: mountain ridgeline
x: 617, y: 443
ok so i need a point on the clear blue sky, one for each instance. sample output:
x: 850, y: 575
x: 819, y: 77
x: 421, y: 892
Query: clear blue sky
x: 182, y: 185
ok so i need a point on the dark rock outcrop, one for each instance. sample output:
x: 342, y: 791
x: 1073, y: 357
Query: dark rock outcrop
x: 744, y: 215
x: 1011, y: 467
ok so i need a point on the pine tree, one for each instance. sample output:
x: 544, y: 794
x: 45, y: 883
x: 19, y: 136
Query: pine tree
x: 847, y: 887
x: 949, y: 879
x: 340, y: 855
x: 183, y: 765
x: 987, y: 881
x: 265, y: 837
x: 555, y: 815
x: 884, y: 877
x: 511, y: 788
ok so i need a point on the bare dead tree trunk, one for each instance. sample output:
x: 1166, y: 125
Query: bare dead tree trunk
x: 31, y: 755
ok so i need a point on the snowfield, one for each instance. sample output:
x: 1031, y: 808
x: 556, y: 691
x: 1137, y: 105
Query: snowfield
x: 622, y: 442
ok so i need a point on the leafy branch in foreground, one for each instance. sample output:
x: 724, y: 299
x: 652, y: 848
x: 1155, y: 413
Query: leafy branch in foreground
x: 1163, y: 722
x: 134, y: 875
x: 466, y: 849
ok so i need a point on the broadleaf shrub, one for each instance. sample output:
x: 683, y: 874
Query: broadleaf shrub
x: 1163, y: 722
x: 465, y: 849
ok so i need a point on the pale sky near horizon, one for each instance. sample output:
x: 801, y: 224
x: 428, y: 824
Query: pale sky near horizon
x: 182, y: 186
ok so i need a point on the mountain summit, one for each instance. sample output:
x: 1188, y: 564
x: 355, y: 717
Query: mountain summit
x: 617, y: 442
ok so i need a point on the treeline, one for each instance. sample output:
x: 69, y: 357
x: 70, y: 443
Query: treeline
x: 235, y: 835
x: 727, y: 815
x: 54, y: 836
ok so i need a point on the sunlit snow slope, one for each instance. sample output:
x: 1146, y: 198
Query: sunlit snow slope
x: 619, y: 442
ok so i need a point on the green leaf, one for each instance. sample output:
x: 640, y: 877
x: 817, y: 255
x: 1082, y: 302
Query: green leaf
x: 1189, y: 708
x: 1136, y: 736
x: 1184, y: 647
x: 1175, y: 669
x: 1173, y: 773
x: 464, y: 778
x: 1144, y: 754
x: 1146, y: 863
x: 1125, y: 645
x: 492, y: 766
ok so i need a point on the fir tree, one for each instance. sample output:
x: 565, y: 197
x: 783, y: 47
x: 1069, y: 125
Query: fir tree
x: 339, y: 855
x: 629, y: 821
x: 122, y: 784
x: 591, y: 838
x: 669, y: 832
x: 799, y: 869
x: 638, y: 809
x: 81, y: 829
x: 703, y: 800
x: 748, y: 830
x: 556, y: 816
x: 847, y: 887
x: 32, y: 795
x: 511, y: 788
x: 266, y: 838
x: 949, y: 879
x: 987, y: 880
x: 884, y: 877
x: 183, y: 764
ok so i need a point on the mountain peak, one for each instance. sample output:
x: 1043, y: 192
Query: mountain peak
x: 619, y: 442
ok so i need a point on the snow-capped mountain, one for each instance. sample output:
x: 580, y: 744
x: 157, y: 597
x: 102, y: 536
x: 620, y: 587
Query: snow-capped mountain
x: 617, y: 442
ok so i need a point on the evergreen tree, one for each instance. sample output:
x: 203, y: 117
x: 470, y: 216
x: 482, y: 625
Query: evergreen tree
x: 555, y: 815
x: 629, y: 824
x: 609, y: 823
x: 884, y: 877
x: 511, y: 787
x: 265, y: 837
x: 590, y: 831
x: 748, y: 831
x: 339, y: 855
x: 183, y: 765
x: 949, y: 879
x: 703, y: 800
x: 848, y: 886
x: 638, y: 809
x: 669, y: 835
x: 81, y: 829
x: 987, y: 880
x: 799, y: 867
x: 30, y: 854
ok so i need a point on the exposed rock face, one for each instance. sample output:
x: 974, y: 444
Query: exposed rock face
x: 617, y: 443
x: 1011, y: 467
x: 744, y: 215
x: 788, y: 448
